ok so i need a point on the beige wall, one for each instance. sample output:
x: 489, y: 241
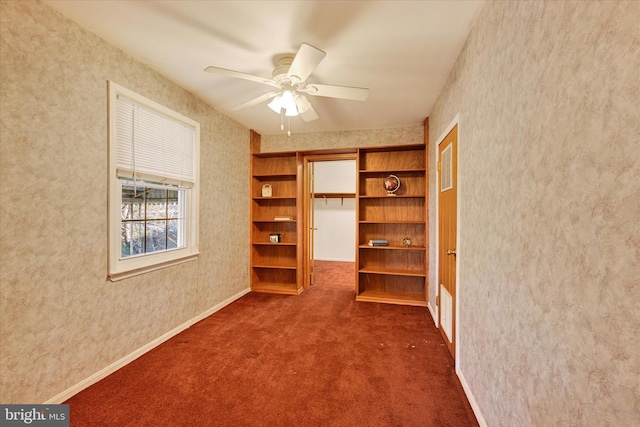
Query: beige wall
x: 60, y: 319
x: 346, y: 139
x: 549, y: 244
x: 549, y: 180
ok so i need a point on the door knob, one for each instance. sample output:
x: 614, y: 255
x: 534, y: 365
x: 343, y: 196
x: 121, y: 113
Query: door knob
x: 451, y: 252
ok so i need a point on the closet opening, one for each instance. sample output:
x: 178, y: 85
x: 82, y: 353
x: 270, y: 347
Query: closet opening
x: 330, y: 220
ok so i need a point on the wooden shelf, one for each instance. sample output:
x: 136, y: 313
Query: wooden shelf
x: 388, y: 171
x: 262, y: 230
x: 291, y: 175
x: 334, y: 195
x: 393, y: 274
x: 397, y: 196
x: 412, y: 184
x: 273, y: 244
x: 391, y: 159
x: 275, y: 267
x: 275, y: 221
x: 276, y: 288
x: 395, y: 247
x: 392, y: 298
x: 391, y: 209
x: 283, y: 187
x: 260, y: 198
x: 392, y: 222
x: 281, y: 267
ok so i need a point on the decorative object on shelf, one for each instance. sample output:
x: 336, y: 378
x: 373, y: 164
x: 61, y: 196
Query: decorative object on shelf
x: 391, y: 184
x: 267, y: 190
x: 406, y: 242
x: 378, y: 242
x: 275, y: 238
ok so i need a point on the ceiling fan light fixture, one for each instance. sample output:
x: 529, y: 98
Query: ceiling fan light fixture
x: 302, y: 103
x: 285, y: 101
x: 291, y: 112
x: 289, y: 103
x: 276, y: 104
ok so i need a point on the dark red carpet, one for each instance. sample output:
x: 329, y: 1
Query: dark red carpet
x: 317, y: 359
x: 330, y: 273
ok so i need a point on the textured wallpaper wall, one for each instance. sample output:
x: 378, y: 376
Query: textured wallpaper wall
x: 346, y: 139
x: 60, y: 319
x: 549, y: 245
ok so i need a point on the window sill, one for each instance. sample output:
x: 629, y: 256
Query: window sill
x: 116, y: 276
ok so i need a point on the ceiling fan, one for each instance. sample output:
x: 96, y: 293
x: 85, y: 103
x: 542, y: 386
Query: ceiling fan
x: 290, y: 79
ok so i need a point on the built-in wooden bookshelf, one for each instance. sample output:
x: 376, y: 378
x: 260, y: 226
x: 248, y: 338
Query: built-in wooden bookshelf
x: 275, y: 265
x: 395, y: 273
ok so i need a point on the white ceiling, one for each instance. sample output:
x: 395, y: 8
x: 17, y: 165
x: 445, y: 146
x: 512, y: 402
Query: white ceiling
x: 403, y: 51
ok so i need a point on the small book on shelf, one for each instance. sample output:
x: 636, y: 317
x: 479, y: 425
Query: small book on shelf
x: 378, y: 242
x: 282, y: 218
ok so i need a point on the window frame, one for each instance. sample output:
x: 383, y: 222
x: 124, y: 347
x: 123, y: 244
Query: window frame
x: 120, y: 268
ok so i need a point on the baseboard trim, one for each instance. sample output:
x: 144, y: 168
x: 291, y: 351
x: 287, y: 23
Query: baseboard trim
x: 103, y: 373
x: 433, y: 314
x: 471, y: 398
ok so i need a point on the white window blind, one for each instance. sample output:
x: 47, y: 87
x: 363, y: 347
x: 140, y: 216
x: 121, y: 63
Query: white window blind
x: 153, y: 146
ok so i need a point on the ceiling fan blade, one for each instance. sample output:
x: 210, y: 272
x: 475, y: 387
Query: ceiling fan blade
x: 343, y: 92
x: 256, y: 101
x: 305, y: 61
x: 239, y: 75
x: 309, y: 115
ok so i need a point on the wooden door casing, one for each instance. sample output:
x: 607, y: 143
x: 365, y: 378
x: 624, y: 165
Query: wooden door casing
x: 447, y: 235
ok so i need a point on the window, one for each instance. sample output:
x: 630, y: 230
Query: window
x: 153, y: 185
x: 152, y: 219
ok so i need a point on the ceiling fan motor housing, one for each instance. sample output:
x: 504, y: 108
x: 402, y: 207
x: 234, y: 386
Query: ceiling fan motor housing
x: 281, y: 75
